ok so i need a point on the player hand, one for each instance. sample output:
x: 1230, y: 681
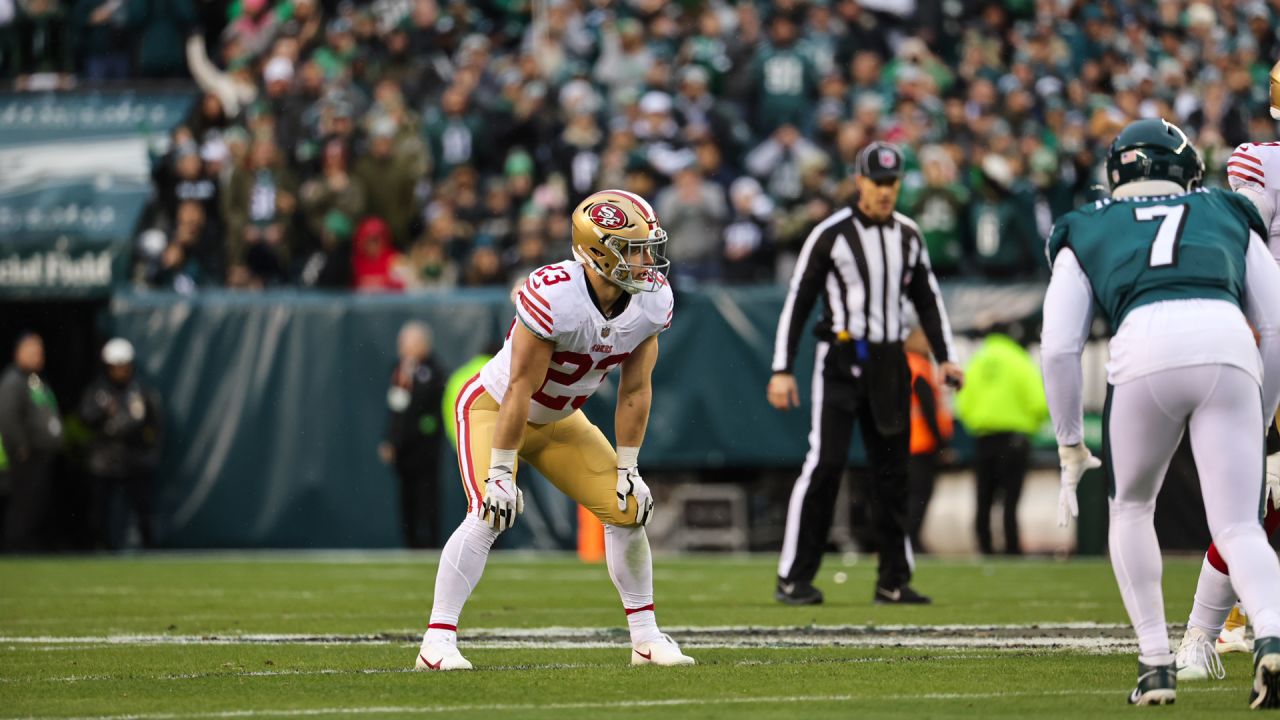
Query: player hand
x: 503, y: 501
x: 1076, y: 460
x: 783, y: 393
x: 951, y: 375
x: 630, y: 483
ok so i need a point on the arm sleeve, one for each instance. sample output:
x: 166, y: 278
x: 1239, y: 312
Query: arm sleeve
x: 929, y: 407
x: 1068, y: 309
x: 926, y: 298
x: 1262, y: 305
x: 806, y: 282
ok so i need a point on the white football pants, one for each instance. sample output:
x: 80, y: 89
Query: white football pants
x: 1221, y: 406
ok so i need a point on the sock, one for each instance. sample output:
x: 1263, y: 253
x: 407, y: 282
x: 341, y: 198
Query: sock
x: 461, y: 565
x: 1214, y: 598
x: 1135, y: 558
x: 1257, y: 575
x: 626, y: 551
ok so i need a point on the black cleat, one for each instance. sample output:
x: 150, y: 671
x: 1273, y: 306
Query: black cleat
x: 795, y: 593
x: 1266, y: 674
x: 1157, y: 685
x: 900, y: 596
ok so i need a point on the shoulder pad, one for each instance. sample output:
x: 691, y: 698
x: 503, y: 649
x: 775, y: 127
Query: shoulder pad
x: 1244, y: 167
x: 544, y: 301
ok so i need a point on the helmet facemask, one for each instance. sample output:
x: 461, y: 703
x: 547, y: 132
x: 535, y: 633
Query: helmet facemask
x: 633, y: 277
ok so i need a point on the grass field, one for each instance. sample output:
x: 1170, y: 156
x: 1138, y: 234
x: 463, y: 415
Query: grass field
x: 333, y: 635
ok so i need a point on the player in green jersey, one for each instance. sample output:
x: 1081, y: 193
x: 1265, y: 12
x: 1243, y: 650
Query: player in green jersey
x: 1180, y: 273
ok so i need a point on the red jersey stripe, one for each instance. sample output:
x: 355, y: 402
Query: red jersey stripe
x: 1242, y: 176
x: 533, y: 315
x: 542, y: 315
x: 528, y: 286
x: 1252, y: 169
x: 1238, y: 155
x: 470, y: 392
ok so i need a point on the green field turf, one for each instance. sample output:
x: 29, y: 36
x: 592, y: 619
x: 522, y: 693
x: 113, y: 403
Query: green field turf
x: 332, y: 635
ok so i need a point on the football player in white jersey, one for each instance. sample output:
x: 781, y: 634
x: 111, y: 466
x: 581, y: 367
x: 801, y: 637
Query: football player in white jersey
x: 575, y: 321
x: 1216, y: 622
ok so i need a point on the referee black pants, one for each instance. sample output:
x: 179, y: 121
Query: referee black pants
x: 839, y: 404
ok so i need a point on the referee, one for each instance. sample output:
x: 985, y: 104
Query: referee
x: 866, y: 263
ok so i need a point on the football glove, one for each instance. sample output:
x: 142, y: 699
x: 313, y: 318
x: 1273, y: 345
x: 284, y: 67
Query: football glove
x: 1075, y: 461
x: 503, y: 500
x: 630, y: 483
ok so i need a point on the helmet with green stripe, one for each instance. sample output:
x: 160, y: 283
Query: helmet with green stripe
x: 1153, y: 150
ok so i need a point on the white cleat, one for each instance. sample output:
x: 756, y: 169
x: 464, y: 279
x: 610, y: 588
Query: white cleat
x: 440, y: 656
x: 1196, y: 658
x: 1234, y: 641
x: 659, y: 652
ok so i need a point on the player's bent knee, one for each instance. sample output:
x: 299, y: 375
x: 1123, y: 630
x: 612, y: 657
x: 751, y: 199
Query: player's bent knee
x: 615, y: 517
x: 1235, y: 532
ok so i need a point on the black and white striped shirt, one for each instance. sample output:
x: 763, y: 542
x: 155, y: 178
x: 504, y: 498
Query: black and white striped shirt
x: 866, y: 273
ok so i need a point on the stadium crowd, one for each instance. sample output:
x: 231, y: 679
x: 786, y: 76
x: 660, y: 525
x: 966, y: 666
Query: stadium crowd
x: 424, y: 144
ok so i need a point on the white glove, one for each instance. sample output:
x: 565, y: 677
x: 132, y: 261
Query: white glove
x: 1075, y: 461
x: 630, y: 483
x: 1273, y: 479
x: 503, y: 500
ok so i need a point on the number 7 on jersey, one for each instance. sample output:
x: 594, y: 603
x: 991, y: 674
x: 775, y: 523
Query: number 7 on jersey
x: 1173, y: 218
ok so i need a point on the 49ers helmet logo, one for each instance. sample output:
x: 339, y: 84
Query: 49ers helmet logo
x: 607, y: 215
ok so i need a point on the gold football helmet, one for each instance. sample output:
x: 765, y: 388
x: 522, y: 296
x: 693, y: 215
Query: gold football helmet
x: 1275, y: 91
x: 616, y: 234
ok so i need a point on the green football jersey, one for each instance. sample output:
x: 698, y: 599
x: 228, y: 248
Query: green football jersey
x: 1142, y: 250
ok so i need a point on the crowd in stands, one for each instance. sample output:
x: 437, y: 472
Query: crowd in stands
x: 422, y: 144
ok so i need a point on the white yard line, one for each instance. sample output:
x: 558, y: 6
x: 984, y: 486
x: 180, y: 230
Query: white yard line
x: 753, y: 662
x: 612, y: 705
x: 534, y: 633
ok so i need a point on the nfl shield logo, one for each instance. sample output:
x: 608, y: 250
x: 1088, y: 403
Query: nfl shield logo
x: 888, y: 159
x: 604, y: 331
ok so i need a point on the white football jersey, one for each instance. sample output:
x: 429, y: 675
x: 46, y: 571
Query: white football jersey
x: 1257, y: 165
x: 554, y: 305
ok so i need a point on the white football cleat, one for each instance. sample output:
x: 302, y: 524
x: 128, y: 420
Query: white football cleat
x: 440, y: 656
x: 659, y: 652
x: 1234, y: 640
x: 1196, y: 658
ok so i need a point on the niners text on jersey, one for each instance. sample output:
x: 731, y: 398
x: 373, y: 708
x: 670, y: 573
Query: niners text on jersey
x: 1257, y: 166
x: 554, y: 304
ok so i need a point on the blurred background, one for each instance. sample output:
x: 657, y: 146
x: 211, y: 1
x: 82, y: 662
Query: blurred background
x: 257, y: 196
